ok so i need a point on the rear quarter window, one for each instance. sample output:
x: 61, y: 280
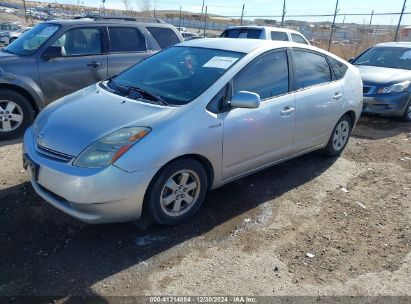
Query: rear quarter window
x: 298, y: 38
x: 338, y: 67
x: 165, y: 37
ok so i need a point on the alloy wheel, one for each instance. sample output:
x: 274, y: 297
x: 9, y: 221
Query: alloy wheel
x: 180, y: 192
x: 341, y: 134
x: 11, y: 116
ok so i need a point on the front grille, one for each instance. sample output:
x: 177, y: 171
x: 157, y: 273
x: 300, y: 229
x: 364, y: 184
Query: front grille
x: 54, y: 155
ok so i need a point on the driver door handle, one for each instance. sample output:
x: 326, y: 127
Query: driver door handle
x: 287, y: 110
x: 94, y: 64
x: 337, y: 95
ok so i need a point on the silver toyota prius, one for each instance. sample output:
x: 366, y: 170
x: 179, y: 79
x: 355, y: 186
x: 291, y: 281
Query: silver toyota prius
x: 154, y: 139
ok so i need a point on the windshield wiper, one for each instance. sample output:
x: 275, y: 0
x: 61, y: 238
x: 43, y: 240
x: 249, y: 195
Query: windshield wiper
x: 127, y: 91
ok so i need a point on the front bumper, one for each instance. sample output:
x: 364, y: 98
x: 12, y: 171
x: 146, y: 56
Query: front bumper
x: 90, y: 195
x: 386, y: 104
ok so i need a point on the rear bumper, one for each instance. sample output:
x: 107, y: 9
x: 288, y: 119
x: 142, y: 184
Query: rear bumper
x: 390, y: 105
x: 90, y: 195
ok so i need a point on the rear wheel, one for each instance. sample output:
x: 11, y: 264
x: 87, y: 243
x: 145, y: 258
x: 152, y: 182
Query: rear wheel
x: 407, y: 112
x: 177, y: 192
x: 16, y: 114
x: 339, y: 137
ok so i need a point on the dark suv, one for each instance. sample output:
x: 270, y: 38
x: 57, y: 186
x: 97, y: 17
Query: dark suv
x: 56, y: 58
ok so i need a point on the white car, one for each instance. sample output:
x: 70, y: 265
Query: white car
x: 265, y: 33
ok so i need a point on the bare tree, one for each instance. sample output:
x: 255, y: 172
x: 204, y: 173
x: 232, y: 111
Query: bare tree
x: 127, y: 5
x: 144, y: 6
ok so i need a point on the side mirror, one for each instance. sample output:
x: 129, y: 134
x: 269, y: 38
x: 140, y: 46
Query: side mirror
x: 53, y: 52
x: 351, y: 60
x: 246, y: 100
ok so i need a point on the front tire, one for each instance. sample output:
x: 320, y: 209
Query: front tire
x: 16, y: 114
x: 177, y: 192
x: 407, y: 113
x: 339, y: 137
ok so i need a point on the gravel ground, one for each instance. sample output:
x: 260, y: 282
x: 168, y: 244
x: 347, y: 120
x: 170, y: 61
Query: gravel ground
x: 310, y: 226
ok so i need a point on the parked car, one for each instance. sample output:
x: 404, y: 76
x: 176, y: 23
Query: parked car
x: 8, y: 27
x: 9, y: 37
x: 385, y: 71
x: 264, y: 32
x: 121, y: 146
x: 56, y: 58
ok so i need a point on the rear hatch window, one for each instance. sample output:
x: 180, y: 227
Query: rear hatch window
x: 242, y: 33
x: 164, y: 36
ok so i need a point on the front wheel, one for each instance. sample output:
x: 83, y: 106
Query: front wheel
x: 177, y: 192
x: 16, y: 114
x: 339, y: 137
x: 407, y: 112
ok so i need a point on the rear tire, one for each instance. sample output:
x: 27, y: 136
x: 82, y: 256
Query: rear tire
x: 339, y: 137
x: 407, y: 113
x: 16, y: 114
x: 177, y: 192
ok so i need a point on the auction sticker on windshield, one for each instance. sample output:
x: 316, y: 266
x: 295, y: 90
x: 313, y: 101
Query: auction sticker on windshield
x: 220, y: 62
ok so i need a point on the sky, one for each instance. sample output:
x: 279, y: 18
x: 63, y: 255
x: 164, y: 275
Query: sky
x: 255, y: 8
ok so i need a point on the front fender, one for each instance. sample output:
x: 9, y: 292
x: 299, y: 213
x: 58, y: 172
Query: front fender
x: 23, y: 83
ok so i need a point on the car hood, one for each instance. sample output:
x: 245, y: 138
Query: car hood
x: 74, y: 122
x: 381, y: 75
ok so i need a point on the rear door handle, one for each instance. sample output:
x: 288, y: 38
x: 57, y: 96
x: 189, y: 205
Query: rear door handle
x: 287, y: 110
x: 94, y: 64
x: 337, y: 96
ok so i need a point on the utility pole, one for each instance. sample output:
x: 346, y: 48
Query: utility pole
x: 205, y: 21
x: 179, y: 21
x: 284, y: 11
x: 25, y: 10
x: 372, y: 15
x: 242, y: 15
x: 399, y: 21
x: 333, y: 25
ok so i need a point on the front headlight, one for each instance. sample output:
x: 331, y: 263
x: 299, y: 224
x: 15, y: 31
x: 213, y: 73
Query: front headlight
x: 395, y: 88
x: 111, y: 147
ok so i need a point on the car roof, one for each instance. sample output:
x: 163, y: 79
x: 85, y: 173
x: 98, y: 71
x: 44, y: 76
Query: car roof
x: 394, y: 44
x: 270, y: 28
x: 241, y: 45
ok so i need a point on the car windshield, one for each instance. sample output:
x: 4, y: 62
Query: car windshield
x: 389, y: 57
x: 32, y: 40
x: 176, y: 75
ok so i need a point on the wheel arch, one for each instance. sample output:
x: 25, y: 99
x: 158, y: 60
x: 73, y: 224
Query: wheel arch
x: 23, y: 92
x: 200, y: 158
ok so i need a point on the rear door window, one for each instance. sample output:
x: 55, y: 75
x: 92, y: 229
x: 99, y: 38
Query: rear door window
x: 242, y: 33
x: 165, y: 37
x: 126, y: 39
x: 279, y: 36
x: 298, y: 38
x: 310, y: 69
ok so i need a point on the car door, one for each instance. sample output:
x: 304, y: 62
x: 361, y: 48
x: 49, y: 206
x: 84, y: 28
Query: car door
x: 83, y: 63
x: 256, y: 137
x: 317, y: 99
x: 127, y: 47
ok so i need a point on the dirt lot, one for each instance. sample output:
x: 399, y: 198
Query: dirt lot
x: 351, y: 215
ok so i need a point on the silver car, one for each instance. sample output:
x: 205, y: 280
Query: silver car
x: 154, y: 139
